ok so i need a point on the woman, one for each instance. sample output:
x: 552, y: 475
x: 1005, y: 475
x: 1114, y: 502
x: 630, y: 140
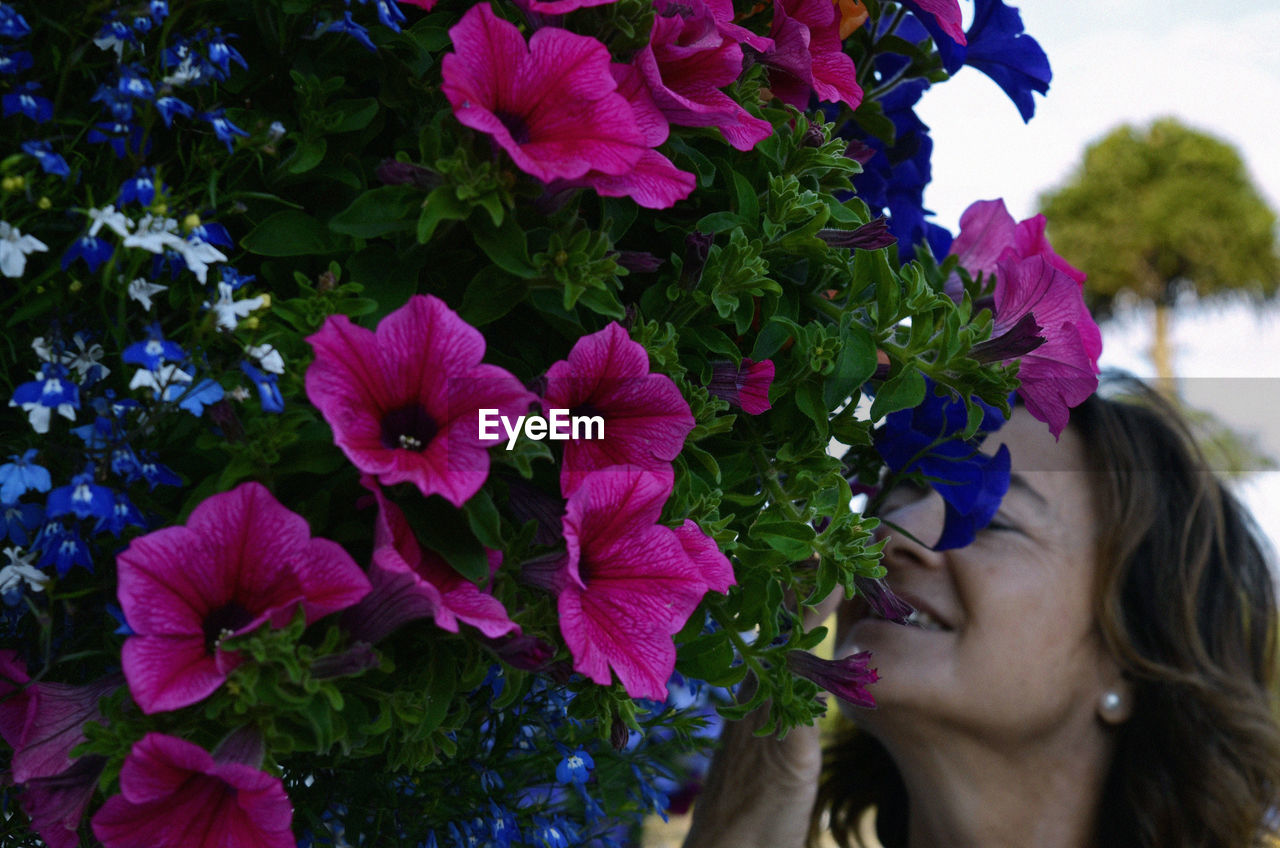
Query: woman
x: 1096, y: 669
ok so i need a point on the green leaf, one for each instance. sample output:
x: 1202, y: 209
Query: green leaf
x: 855, y: 364
x: 350, y: 115
x: 309, y: 153
x: 292, y: 233
x: 439, y: 527
x: 901, y: 391
x: 792, y: 538
x: 374, y: 213
x: 748, y: 199
x: 442, y: 204
x: 483, y: 518
x: 505, y: 246
x: 491, y: 294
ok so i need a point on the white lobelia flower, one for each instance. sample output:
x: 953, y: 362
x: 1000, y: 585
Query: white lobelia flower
x: 199, y: 255
x: 230, y: 311
x: 109, y: 217
x: 86, y: 358
x: 268, y: 357
x: 141, y: 291
x: 160, y: 379
x: 155, y: 235
x: 14, y: 248
x: 20, y: 569
x: 42, y: 349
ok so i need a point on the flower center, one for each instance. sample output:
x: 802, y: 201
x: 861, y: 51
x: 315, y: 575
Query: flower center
x: 408, y: 428
x: 515, y: 125
x: 223, y: 622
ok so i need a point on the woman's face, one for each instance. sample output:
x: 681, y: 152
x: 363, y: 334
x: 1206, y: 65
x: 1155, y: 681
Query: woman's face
x: 1008, y: 651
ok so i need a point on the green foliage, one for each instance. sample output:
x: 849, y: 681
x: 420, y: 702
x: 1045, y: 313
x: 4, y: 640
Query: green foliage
x: 1155, y: 209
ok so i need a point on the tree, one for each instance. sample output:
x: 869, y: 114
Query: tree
x: 1157, y: 211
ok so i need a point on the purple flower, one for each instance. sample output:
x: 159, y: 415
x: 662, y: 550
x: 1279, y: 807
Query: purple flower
x: 242, y: 559
x: 404, y: 401
x: 51, y: 162
x: 745, y: 386
x: 846, y: 678
x: 645, y: 417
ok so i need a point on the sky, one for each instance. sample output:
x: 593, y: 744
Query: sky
x: 1214, y: 66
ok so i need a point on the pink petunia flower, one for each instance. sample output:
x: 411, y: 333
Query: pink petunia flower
x: 404, y: 400
x: 629, y: 584
x: 846, y: 678
x: 1063, y: 371
x: 808, y: 55
x: 694, y: 51
x: 653, y: 182
x: 551, y: 104
x: 987, y: 230
x: 1038, y: 296
x: 43, y: 722
x: 645, y: 417
x: 558, y: 7
x: 411, y: 583
x: 745, y: 386
x: 242, y: 559
x: 947, y: 14
x: 175, y: 794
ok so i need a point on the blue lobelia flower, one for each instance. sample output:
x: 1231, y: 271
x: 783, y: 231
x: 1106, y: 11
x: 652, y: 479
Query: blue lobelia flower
x: 140, y: 188
x: 222, y: 54
x: 51, y: 391
x: 21, y: 475
x: 159, y: 10
x: 153, y: 351
x: 123, y: 516
x: 51, y: 162
x: 124, y: 138
x: 268, y: 390
x: 223, y: 128
x: 575, y: 767
x: 93, y: 251
x: 15, y: 61
x: 21, y: 521
x: 133, y: 82
x: 234, y: 278
x: 213, y: 233
x: 351, y: 28
x: 389, y: 13
x: 62, y: 548
x: 156, y: 474
x: 926, y: 441
x: 82, y: 497
x: 12, y: 24
x: 168, y: 106
x: 24, y: 100
x: 194, y: 398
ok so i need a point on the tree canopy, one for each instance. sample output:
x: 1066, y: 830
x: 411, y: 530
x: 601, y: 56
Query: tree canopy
x: 1159, y: 209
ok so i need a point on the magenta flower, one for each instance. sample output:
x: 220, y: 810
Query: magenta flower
x: 987, y: 230
x: 629, y: 584
x: 1040, y: 315
x: 808, y: 55
x: 1063, y: 371
x: 558, y: 7
x: 242, y: 559
x: 552, y: 103
x: 694, y: 51
x: 411, y: 583
x: 846, y: 678
x: 653, y: 182
x: 43, y: 722
x: 174, y: 794
x: 745, y: 386
x: 404, y: 400
x: 947, y: 14
x: 645, y: 417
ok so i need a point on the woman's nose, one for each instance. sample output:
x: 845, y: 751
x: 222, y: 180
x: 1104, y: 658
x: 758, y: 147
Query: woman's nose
x: 911, y: 529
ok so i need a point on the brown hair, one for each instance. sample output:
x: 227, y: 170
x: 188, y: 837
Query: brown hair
x: 1185, y: 602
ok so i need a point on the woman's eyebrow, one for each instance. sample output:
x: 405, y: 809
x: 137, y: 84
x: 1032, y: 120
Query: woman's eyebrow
x: 1016, y: 479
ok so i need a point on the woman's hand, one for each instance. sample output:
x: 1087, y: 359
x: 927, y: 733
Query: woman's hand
x: 760, y: 791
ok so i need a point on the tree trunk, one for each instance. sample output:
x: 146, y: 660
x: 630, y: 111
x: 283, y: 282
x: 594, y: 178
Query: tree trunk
x: 1162, y: 350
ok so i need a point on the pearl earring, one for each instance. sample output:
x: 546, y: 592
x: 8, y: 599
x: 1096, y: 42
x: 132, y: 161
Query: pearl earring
x: 1110, y: 702
x: 1112, y: 708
